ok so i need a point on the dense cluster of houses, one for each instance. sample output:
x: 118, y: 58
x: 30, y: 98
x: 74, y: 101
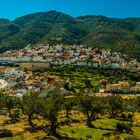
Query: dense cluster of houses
x: 17, y: 82
x: 122, y: 87
x: 21, y: 80
x: 73, y: 55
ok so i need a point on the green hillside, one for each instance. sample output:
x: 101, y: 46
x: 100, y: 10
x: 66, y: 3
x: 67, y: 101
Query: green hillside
x: 57, y: 28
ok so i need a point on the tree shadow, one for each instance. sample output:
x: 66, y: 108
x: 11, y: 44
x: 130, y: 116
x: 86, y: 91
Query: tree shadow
x: 36, y: 128
x: 11, y: 121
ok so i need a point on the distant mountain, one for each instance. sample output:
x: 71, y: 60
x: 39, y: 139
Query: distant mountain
x: 58, y: 28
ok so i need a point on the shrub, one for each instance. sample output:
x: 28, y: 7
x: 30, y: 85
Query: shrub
x: 122, y: 127
x: 132, y: 138
x: 5, y: 133
x: 88, y: 136
x: 16, y: 114
x: 124, y: 115
x: 11, y: 121
x: 130, y: 115
x: 72, y: 131
x: 49, y: 138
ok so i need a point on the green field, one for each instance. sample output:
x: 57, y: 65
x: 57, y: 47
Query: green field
x: 89, y: 78
x: 78, y: 130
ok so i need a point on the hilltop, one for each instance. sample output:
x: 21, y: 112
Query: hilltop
x: 53, y: 28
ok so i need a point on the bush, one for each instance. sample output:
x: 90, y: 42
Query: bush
x: 88, y: 136
x: 130, y: 115
x: 132, y: 138
x: 5, y: 133
x: 11, y: 121
x: 72, y: 131
x: 16, y: 114
x: 124, y: 115
x: 122, y: 127
x: 3, y: 112
x: 49, y: 138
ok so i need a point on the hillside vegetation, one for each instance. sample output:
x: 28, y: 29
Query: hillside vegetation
x: 57, y: 28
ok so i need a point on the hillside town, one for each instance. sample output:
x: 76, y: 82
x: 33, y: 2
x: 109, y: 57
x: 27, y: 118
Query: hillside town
x: 121, y: 87
x: 72, y: 55
x: 18, y: 82
x: 22, y: 78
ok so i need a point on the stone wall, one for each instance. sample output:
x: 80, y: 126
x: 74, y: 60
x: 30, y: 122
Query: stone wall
x: 34, y: 65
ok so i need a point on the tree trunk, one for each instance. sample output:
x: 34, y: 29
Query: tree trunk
x: 67, y: 114
x: 30, y: 121
x: 10, y: 114
x: 90, y: 118
x: 113, y: 114
x: 89, y: 123
x: 53, y: 129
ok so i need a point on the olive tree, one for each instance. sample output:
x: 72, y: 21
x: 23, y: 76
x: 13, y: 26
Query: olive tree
x: 91, y: 107
x: 68, y: 105
x: 29, y: 105
x: 50, y: 107
x: 8, y: 103
x: 116, y: 105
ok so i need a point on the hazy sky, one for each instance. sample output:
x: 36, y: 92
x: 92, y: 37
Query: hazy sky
x: 112, y: 8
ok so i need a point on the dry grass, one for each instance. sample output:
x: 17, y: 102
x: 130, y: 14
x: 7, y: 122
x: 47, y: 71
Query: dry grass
x: 77, y: 130
x: 20, y: 129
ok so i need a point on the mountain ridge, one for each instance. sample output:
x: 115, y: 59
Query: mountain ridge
x: 58, y: 28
